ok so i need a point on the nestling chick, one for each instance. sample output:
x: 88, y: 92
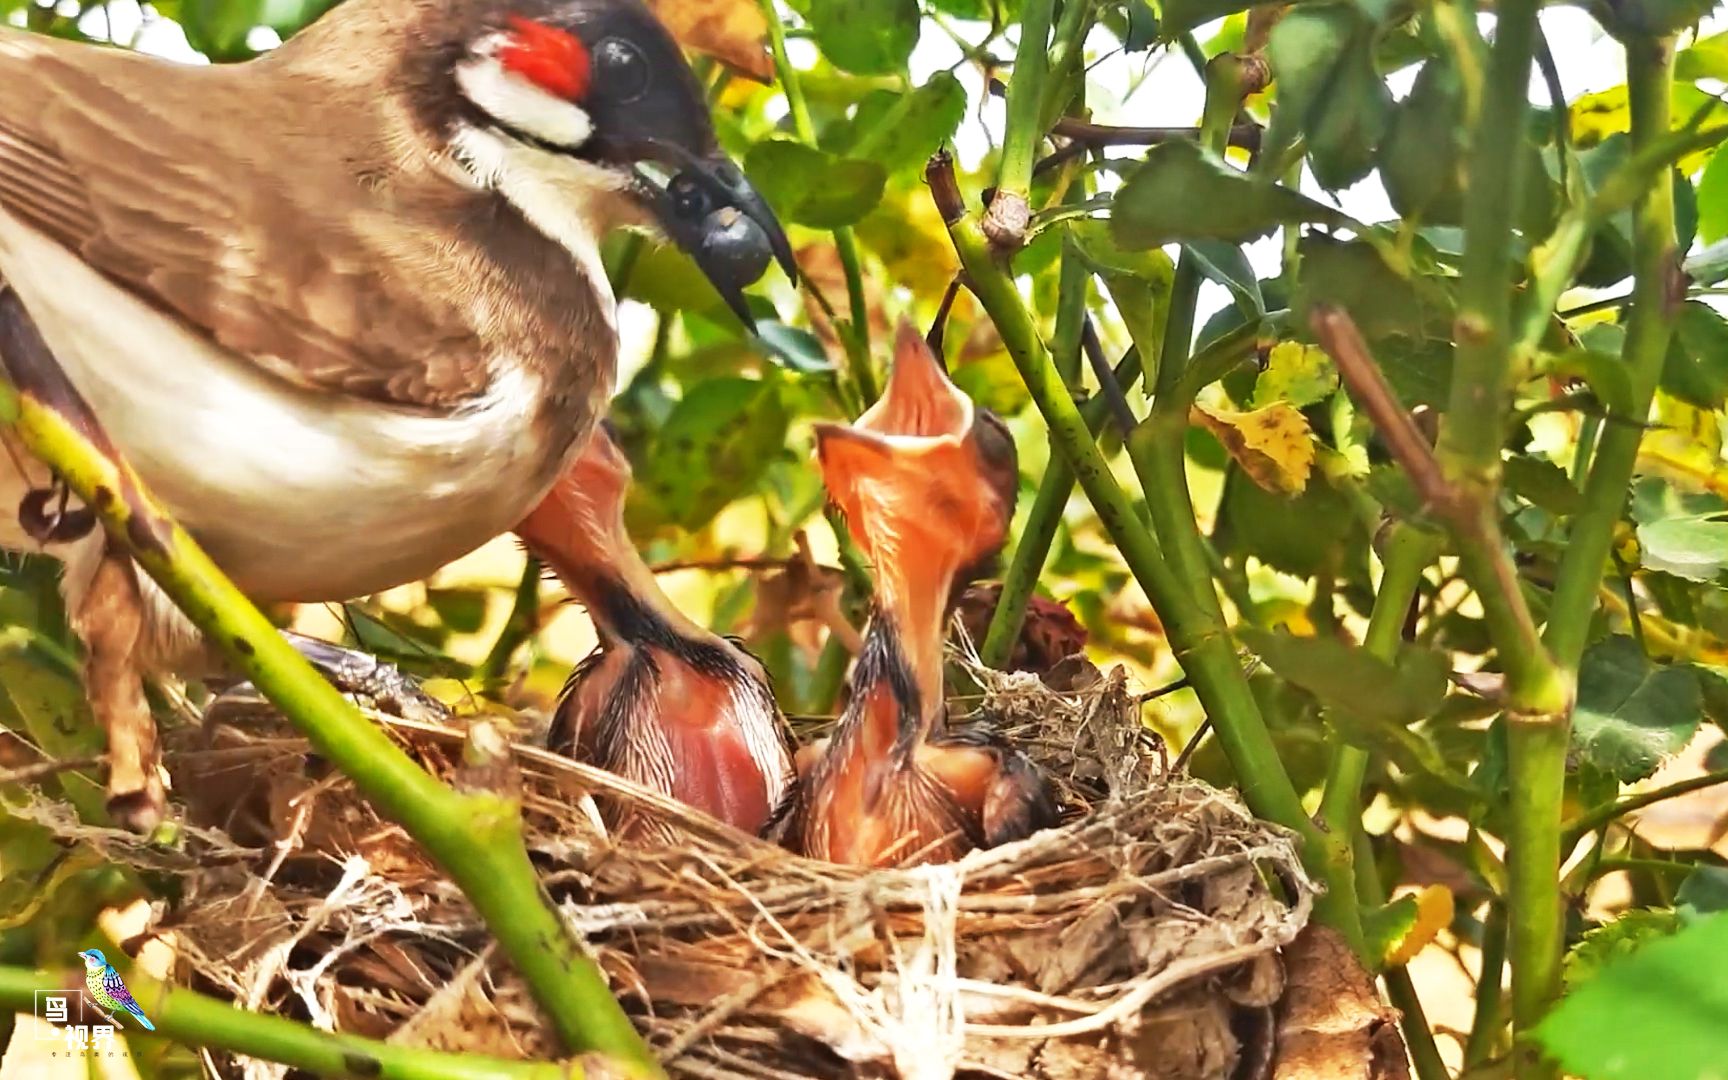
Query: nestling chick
x: 927, y: 483
x: 662, y: 701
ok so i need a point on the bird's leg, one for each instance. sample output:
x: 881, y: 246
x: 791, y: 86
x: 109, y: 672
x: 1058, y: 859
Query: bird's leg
x: 109, y: 616
x: 110, y: 621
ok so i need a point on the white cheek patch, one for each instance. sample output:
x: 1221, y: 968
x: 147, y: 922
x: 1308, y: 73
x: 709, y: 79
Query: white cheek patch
x: 517, y: 103
x: 570, y: 201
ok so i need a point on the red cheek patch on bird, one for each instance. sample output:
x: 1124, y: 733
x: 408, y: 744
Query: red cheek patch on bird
x: 554, y: 60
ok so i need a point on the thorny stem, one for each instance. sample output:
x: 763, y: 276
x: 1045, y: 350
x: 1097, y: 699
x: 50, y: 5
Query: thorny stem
x: 1486, y: 1024
x: 857, y: 336
x: 1157, y: 450
x: 1027, y: 563
x: 193, y: 1019
x: 1657, y: 288
x: 1200, y: 644
x: 1540, y: 672
x: 1409, y: 552
x: 475, y: 837
x: 1025, y: 103
x: 1588, y: 822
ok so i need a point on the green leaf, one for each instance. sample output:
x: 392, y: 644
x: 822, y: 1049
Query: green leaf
x: 794, y: 347
x: 1659, y: 1014
x: 1694, y: 548
x: 1696, y: 367
x: 1542, y: 483
x: 1616, y: 940
x: 718, y: 441
x: 1655, y: 499
x: 1387, y: 925
x: 1182, y: 193
x: 1225, y: 264
x: 218, y: 28
x: 1632, y: 714
x: 866, y: 37
x: 812, y: 187
x: 462, y: 610
x: 1139, y: 282
x: 40, y: 697
x: 1299, y: 536
x: 1706, y: 58
x: 1350, y: 679
x: 899, y: 131
x: 1297, y: 373
x: 1323, y: 59
x: 1422, y: 157
x: 1352, y: 275
x: 1713, y: 199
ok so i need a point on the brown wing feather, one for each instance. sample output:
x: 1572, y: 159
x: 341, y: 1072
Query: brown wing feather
x: 236, y: 224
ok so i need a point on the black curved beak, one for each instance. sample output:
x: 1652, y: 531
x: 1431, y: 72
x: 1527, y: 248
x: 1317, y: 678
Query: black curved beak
x: 708, y: 208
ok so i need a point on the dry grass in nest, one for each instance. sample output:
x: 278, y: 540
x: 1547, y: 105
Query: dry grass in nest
x: 1140, y: 939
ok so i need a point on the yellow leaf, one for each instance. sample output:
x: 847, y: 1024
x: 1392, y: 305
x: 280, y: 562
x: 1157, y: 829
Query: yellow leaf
x: 1433, y: 914
x: 734, y: 32
x: 1297, y: 373
x: 1273, y: 445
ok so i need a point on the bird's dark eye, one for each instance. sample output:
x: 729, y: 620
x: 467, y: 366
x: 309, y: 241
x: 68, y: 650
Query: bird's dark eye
x: 624, y: 74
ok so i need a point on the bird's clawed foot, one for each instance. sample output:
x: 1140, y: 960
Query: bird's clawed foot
x: 51, y: 515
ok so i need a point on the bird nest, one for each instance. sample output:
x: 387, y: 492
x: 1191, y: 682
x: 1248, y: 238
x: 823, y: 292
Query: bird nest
x: 1139, y: 939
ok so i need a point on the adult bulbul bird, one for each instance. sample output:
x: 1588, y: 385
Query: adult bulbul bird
x: 342, y: 306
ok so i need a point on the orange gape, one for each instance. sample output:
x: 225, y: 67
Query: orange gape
x: 662, y: 701
x: 927, y: 485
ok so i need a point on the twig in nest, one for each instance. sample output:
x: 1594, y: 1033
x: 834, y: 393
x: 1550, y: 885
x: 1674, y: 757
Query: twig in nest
x: 1181, y: 764
x: 26, y: 773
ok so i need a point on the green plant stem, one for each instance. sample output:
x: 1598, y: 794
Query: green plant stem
x: 1538, y: 693
x: 1486, y: 1024
x: 1538, y: 746
x: 1197, y: 629
x: 474, y: 836
x: 1027, y: 563
x: 1057, y: 486
x: 1591, y: 820
x: 1199, y: 640
x: 1026, y: 86
x: 1067, y: 47
x: 1400, y: 988
x: 519, y: 626
x: 857, y: 336
x: 196, y: 1020
x: 1409, y: 553
x: 1656, y: 281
